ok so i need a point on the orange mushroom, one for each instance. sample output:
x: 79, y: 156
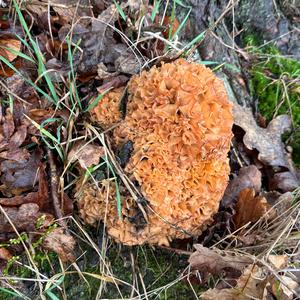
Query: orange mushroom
x: 179, y: 120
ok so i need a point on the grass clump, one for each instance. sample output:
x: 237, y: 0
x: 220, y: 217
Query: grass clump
x: 275, y: 81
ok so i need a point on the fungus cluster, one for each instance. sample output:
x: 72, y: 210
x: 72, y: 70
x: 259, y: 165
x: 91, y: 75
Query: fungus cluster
x: 179, y: 120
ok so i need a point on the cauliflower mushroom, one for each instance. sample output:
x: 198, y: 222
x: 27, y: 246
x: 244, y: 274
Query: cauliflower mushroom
x: 179, y: 120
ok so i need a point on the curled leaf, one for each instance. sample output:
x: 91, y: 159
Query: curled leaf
x: 267, y: 141
x: 250, y: 208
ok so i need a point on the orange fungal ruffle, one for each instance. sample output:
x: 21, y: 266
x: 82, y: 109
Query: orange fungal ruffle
x: 179, y: 120
x: 107, y: 111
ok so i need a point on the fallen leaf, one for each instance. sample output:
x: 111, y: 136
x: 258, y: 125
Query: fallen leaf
x: 61, y: 243
x: 5, y: 254
x: 68, y: 10
x: 41, y: 197
x: 11, y: 138
x: 19, y: 176
x: 267, y: 141
x: 128, y: 63
x: 251, y: 285
x: 284, y: 181
x: 103, y: 73
x: 278, y: 261
x: 23, y: 218
x: 71, y: 10
x: 98, y: 42
x: 209, y: 262
x: 8, y: 45
x: 248, y: 177
x: 86, y: 154
x: 6, y: 71
x: 285, y: 289
x: 250, y: 208
x: 114, y: 82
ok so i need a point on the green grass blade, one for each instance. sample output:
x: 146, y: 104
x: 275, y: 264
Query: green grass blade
x: 172, y: 21
x: 25, y: 79
x: 72, y: 76
x: 182, y: 23
x: 207, y: 62
x: 43, y: 130
x: 18, y: 53
x: 10, y: 292
x: 97, y: 100
x: 120, y: 11
x: 155, y: 10
x: 24, y: 42
x: 41, y: 66
x: 11, y: 103
x: 179, y: 2
x: 196, y: 40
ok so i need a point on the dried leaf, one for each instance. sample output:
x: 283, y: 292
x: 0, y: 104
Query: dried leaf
x: 19, y: 176
x: 86, y: 154
x: 71, y: 10
x: 103, y: 73
x: 68, y: 10
x: 23, y: 218
x: 266, y: 140
x: 60, y: 243
x: 251, y: 285
x: 5, y: 254
x: 250, y: 208
x: 11, y: 138
x: 278, y: 261
x: 284, y: 181
x: 248, y: 177
x: 286, y: 289
x: 128, y: 64
x: 98, y: 42
x: 41, y: 197
x: 9, y: 44
x: 209, y: 262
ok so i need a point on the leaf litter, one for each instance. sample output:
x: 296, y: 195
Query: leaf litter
x: 103, y: 57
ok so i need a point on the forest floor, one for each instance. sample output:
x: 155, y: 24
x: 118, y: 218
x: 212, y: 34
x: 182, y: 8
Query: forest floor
x: 58, y: 59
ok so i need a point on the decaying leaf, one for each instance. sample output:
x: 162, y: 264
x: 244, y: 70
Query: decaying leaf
x: 40, y: 197
x: 86, y: 154
x: 266, y: 140
x: 11, y: 138
x: 9, y: 45
x: 256, y: 283
x: 278, y: 261
x: 209, y: 262
x: 248, y: 177
x: 285, y: 289
x: 71, y: 10
x: 284, y: 181
x: 251, y: 285
x: 61, y: 243
x: 23, y: 218
x: 19, y: 176
x: 250, y: 208
x: 128, y: 63
x: 68, y: 10
x: 5, y: 254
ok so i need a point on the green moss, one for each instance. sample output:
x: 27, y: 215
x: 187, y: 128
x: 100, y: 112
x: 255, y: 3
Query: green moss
x: 158, y: 268
x: 275, y: 82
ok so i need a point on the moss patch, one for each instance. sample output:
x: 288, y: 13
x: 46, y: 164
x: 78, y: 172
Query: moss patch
x: 276, y: 83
